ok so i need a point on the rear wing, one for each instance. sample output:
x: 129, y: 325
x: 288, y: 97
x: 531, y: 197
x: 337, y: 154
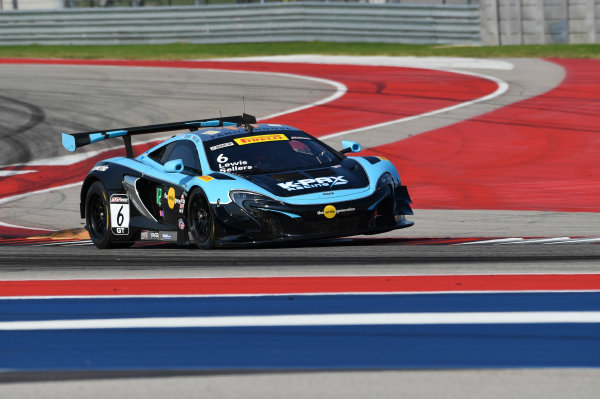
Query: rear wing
x: 75, y: 140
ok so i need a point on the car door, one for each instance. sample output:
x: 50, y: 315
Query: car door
x: 163, y: 197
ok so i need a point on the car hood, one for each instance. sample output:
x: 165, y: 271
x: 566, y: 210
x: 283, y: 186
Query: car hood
x: 348, y: 175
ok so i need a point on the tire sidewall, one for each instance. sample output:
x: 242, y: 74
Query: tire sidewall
x: 99, y: 240
x: 197, y: 195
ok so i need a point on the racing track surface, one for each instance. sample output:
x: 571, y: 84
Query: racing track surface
x: 517, y: 141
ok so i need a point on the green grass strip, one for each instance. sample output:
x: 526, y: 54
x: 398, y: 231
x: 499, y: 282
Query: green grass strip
x: 183, y: 51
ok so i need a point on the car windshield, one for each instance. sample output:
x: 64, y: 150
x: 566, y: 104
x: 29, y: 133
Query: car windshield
x: 268, y: 153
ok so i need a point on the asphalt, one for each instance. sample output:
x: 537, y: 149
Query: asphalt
x: 39, y: 101
x: 484, y: 384
x: 335, y: 257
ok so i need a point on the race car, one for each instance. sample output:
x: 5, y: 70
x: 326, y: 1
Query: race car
x: 229, y: 181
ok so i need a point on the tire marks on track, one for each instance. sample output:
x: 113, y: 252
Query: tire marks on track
x: 15, y: 109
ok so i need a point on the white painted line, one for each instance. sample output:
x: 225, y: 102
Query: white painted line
x: 46, y: 297
x: 46, y: 190
x: 359, y: 319
x: 502, y: 88
x: 392, y: 61
x: 76, y: 243
x: 432, y: 63
x: 495, y: 241
x: 340, y: 90
x: 541, y: 240
x: 576, y: 241
x: 63, y: 243
x: 546, y: 241
x: 7, y: 173
x: 14, y: 226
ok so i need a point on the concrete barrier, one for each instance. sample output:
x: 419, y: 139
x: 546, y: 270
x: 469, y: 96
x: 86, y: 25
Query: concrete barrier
x: 269, y: 22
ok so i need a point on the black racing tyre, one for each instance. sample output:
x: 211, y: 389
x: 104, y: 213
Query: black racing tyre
x: 97, y: 218
x: 201, y: 220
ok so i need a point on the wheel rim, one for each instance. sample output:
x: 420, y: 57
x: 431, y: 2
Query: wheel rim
x: 200, y: 219
x: 98, y: 217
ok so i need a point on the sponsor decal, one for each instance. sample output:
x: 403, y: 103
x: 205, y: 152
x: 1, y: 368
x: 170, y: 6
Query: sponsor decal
x: 181, y: 203
x: 171, y: 200
x: 154, y: 235
x: 159, y: 194
x: 119, y: 199
x: 382, y: 158
x: 119, y: 214
x: 205, y: 178
x: 181, y: 224
x: 211, y: 132
x: 161, y: 213
x: 304, y: 184
x: 100, y: 168
x: 226, y: 166
x: 260, y: 139
x: 166, y: 236
x: 144, y: 235
x: 223, y: 145
x: 300, y: 138
x: 171, y: 197
x: 330, y: 211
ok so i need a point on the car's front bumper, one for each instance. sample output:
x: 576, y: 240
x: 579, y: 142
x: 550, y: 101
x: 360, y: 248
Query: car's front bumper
x: 381, y: 211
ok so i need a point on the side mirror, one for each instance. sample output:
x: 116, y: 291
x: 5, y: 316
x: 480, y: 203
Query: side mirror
x: 350, y: 146
x: 173, y: 166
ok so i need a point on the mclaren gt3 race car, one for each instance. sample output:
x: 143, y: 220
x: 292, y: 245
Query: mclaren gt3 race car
x: 229, y: 181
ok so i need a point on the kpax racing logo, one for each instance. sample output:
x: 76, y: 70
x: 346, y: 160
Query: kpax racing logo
x: 304, y: 184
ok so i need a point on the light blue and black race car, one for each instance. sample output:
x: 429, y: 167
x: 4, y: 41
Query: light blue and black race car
x: 230, y: 181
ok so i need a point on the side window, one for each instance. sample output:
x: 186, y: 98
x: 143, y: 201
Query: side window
x: 156, y: 155
x: 184, y: 150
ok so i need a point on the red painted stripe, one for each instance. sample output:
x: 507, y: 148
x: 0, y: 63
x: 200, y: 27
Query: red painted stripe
x: 540, y: 154
x: 289, y: 285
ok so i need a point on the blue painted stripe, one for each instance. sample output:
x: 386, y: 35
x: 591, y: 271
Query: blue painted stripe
x: 205, y: 123
x: 116, y: 133
x: 289, y: 214
x: 348, y: 347
x: 95, y: 137
x: 92, y: 308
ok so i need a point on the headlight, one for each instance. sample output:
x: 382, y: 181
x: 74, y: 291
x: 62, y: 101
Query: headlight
x: 250, y: 201
x: 385, y: 180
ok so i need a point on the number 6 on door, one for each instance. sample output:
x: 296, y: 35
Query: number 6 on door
x: 119, y: 214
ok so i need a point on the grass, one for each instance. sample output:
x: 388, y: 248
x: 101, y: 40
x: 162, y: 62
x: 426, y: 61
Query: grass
x: 182, y: 51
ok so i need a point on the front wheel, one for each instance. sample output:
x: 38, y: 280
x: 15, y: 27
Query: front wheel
x: 201, y: 220
x: 97, y: 218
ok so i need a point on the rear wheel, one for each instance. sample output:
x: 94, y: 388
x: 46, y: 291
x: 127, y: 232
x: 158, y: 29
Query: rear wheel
x: 97, y: 218
x: 201, y: 220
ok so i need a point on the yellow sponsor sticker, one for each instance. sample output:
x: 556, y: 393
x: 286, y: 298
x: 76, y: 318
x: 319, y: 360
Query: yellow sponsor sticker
x: 171, y: 197
x: 382, y: 158
x: 260, y: 139
x: 205, y: 178
x: 329, y: 211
